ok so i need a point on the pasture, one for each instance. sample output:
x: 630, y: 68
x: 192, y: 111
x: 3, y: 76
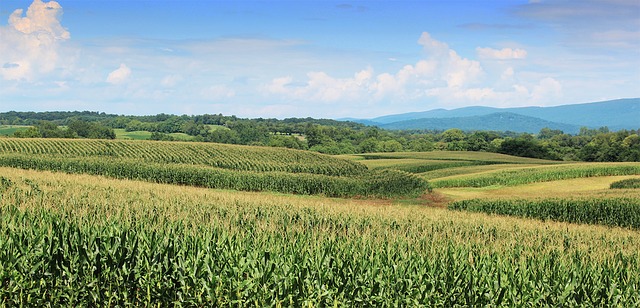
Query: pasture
x: 9, y: 130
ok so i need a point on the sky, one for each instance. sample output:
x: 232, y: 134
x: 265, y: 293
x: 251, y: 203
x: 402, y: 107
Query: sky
x: 323, y: 59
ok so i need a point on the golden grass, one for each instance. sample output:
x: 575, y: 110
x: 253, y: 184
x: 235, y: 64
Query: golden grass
x: 596, y: 187
x: 469, y: 170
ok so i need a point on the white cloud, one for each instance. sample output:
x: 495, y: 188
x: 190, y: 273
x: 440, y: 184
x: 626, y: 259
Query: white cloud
x: 29, y: 47
x: 120, y: 75
x: 41, y: 18
x: 456, y: 71
x: 442, y: 75
x: 501, y: 54
x: 321, y: 87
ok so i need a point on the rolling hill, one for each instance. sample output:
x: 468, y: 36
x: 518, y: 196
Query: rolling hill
x: 499, y: 121
x: 615, y: 114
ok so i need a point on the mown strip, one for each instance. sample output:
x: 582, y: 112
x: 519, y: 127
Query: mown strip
x: 541, y: 174
x: 383, y: 183
x: 614, y: 212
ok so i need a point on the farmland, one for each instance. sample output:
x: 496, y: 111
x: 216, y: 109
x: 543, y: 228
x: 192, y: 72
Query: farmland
x: 8, y: 130
x: 97, y: 234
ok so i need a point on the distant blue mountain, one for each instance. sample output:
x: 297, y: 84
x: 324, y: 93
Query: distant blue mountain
x: 615, y: 114
x: 499, y: 121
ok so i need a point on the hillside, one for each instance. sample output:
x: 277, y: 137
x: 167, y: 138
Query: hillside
x: 247, y: 168
x: 500, y: 121
x: 615, y: 114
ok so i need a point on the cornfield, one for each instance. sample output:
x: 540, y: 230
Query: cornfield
x: 76, y: 240
x: 234, y: 157
x: 539, y: 174
x: 615, y: 212
x: 626, y: 184
x: 383, y: 183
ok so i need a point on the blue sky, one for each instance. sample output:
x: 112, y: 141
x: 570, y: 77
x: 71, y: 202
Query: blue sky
x: 314, y: 58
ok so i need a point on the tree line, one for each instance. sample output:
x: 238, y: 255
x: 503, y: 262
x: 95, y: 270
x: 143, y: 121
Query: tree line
x: 334, y: 137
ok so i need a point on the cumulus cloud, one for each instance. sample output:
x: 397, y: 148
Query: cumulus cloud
x: 29, y: 44
x: 41, y: 18
x: 319, y: 86
x: 442, y: 74
x: 501, y: 54
x: 120, y: 75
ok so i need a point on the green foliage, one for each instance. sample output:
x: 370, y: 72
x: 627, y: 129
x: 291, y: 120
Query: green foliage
x: 75, y: 129
x: 615, y: 212
x: 625, y: 184
x: 524, y: 146
x: 342, y: 137
x: 161, y: 137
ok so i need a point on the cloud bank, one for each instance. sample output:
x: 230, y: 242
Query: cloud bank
x: 442, y: 75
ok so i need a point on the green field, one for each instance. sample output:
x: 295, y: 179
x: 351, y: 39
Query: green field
x: 9, y: 130
x: 145, y: 135
x: 543, y: 234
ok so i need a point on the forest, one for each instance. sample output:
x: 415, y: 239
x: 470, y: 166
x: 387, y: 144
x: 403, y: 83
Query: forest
x: 331, y: 136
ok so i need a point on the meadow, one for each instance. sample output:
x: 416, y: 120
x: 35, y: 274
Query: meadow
x: 78, y: 228
x: 8, y: 130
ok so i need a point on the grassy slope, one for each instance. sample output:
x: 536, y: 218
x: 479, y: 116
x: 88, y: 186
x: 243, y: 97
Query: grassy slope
x: 594, y: 187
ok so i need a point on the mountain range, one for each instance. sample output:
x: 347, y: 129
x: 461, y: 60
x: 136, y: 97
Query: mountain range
x: 614, y: 114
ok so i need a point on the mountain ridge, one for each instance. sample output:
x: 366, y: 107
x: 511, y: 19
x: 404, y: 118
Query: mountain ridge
x: 616, y: 114
x: 498, y: 121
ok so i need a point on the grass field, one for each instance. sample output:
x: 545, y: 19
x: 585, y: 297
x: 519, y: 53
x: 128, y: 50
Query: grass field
x: 145, y: 135
x: 78, y: 239
x: 8, y: 130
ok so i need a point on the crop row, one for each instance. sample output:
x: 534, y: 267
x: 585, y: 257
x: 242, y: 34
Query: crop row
x: 421, y: 166
x: 384, y: 183
x: 615, y: 212
x: 64, y: 244
x: 626, y: 184
x: 540, y: 174
x: 233, y: 157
